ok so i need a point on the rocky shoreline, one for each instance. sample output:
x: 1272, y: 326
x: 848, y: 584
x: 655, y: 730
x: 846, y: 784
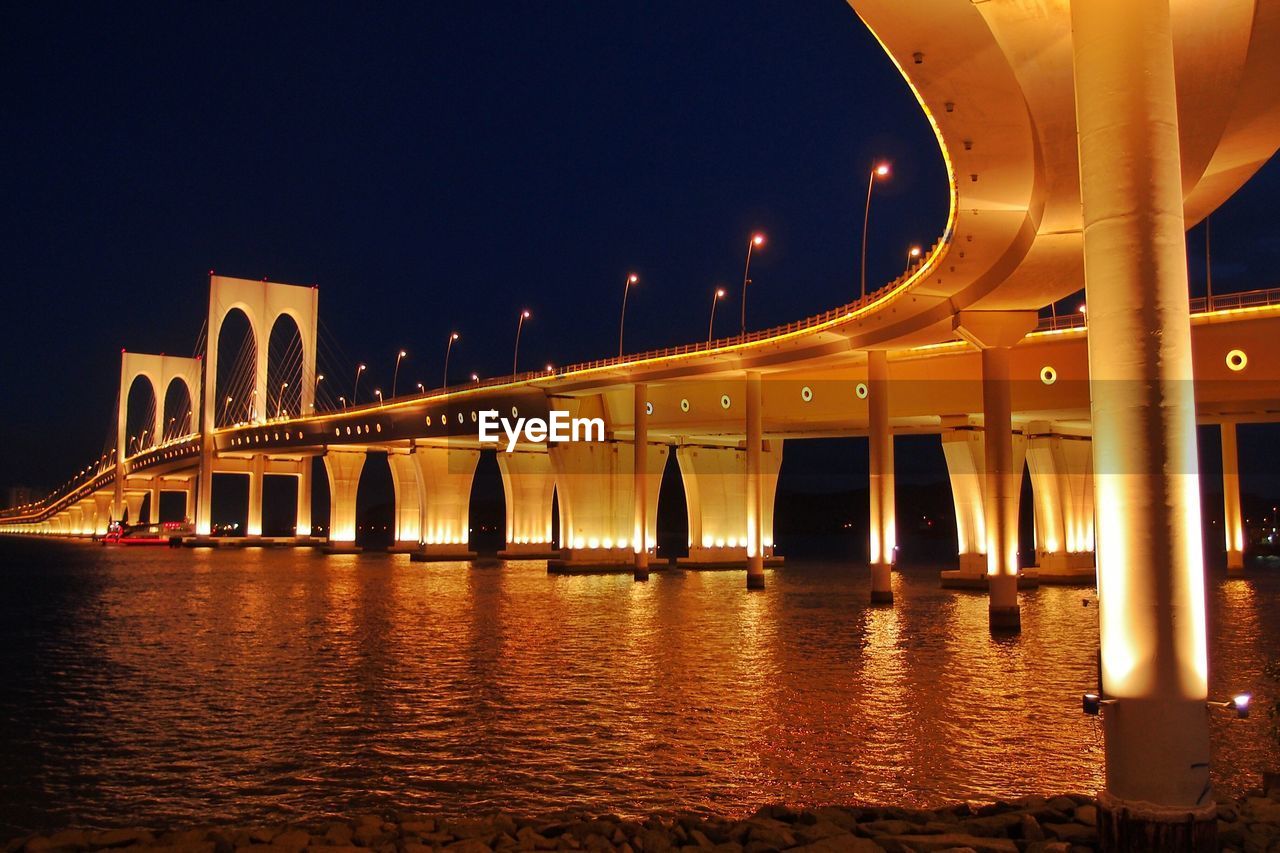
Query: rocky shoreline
x: 1062, y: 824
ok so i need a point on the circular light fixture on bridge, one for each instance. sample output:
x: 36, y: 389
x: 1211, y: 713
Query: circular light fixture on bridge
x: 648, y: 408
x: 428, y: 420
x: 1048, y: 375
x: 806, y: 394
x: 515, y: 413
x: 861, y: 390
x: 684, y: 405
x: 725, y: 402
x: 1237, y: 360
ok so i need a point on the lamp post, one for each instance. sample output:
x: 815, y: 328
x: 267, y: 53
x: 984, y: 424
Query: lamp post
x: 448, y: 348
x: 225, y: 407
x: 396, y: 374
x: 756, y: 240
x: 343, y: 401
x: 878, y: 170
x: 280, y: 400
x: 355, y: 390
x: 315, y: 392
x: 475, y: 377
x: 421, y: 390
x: 912, y: 255
x: 515, y: 357
x: 168, y: 430
x: 622, y: 323
x: 715, y: 297
x: 378, y: 392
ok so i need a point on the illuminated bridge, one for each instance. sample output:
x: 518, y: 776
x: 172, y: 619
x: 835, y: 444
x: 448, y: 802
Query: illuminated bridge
x: 1081, y: 140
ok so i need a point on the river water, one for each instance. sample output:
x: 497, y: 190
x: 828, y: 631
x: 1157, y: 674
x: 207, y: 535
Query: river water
x: 150, y: 686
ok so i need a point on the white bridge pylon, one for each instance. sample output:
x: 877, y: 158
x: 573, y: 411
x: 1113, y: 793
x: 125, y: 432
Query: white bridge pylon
x: 160, y: 371
x: 262, y: 303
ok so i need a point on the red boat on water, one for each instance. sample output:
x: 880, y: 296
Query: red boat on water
x: 169, y: 533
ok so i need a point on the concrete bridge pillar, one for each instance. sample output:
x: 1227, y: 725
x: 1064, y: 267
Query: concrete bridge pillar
x: 1002, y: 487
x: 343, y: 468
x: 257, y: 472
x: 133, y: 503
x: 1232, y: 518
x: 75, y: 520
x: 596, y: 484
x: 1061, y: 469
x: 153, y: 507
x: 640, y: 482
x: 995, y: 333
x: 528, y: 484
x: 444, y: 477
x: 755, y: 482
x: 965, y: 454
x: 715, y: 491
x: 88, y: 517
x: 302, y: 518
x: 188, y: 505
x: 882, y: 532
x: 102, y: 502
x: 408, y: 504
x: 1150, y: 562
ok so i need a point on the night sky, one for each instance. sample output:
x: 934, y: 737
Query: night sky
x: 438, y: 167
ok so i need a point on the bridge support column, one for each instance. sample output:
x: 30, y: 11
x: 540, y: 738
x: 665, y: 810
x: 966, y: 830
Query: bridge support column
x: 257, y: 472
x: 755, y: 483
x: 883, y: 535
x: 528, y: 485
x: 188, y: 505
x: 995, y: 333
x: 596, y: 484
x: 407, y: 514
x: 444, y: 477
x: 640, y: 483
x: 153, y: 507
x: 102, y: 520
x: 302, y: 517
x: 1061, y: 469
x: 343, y: 468
x: 1002, y: 487
x: 965, y: 453
x: 1232, y: 518
x: 133, y: 503
x: 1150, y: 562
x: 88, y: 517
x: 715, y: 491
x: 75, y: 520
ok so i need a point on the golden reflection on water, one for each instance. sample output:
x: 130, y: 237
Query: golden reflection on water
x: 259, y: 684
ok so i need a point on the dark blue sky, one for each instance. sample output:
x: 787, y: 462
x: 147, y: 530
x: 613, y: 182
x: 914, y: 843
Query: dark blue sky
x: 440, y: 166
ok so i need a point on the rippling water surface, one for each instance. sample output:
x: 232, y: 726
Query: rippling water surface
x: 167, y: 687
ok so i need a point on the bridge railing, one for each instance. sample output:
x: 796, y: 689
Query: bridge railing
x: 1198, y: 304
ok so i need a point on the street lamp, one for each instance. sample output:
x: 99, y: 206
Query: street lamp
x: 448, y: 348
x: 355, y: 391
x: 912, y: 254
x: 878, y: 170
x: 422, y: 390
x: 626, y: 289
x: 378, y: 392
x: 754, y: 242
x: 475, y: 377
x: 225, y: 406
x: 550, y: 368
x: 343, y: 401
x: 715, y: 297
x: 168, y: 430
x: 396, y: 375
x: 280, y: 399
x: 524, y: 315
